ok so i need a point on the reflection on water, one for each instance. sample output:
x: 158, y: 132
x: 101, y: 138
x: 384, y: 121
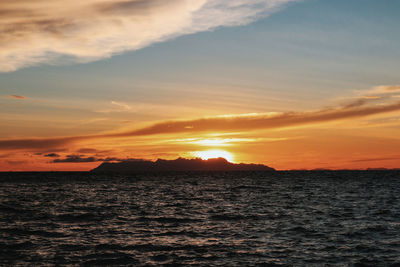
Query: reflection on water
x: 283, y: 218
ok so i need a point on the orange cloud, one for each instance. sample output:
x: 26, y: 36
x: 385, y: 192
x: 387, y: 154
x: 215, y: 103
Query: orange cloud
x: 215, y: 124
x: 386, y: 89
x: 261, y: 121
x: 382, y: 91
x: 17, y: 96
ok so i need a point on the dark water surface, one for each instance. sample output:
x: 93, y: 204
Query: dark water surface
x: 230, y: 219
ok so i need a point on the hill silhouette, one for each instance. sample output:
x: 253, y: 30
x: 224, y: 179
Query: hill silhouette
x: 177, y: 165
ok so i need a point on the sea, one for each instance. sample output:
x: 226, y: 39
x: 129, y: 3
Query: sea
x: 283, y: 218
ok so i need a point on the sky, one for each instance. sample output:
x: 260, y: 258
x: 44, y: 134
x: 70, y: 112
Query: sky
x: 293, y: 84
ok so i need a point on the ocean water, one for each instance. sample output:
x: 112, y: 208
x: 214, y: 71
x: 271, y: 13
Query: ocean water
x: 346, y: 218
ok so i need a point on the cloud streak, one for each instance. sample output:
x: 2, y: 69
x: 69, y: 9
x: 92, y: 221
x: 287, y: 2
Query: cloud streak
x: 385, y: 89
x: 377, y: 159
x: 381, y: 92
x: 40, y: 31
x: 82, y: 159
x: 17, y: 96
x: 254, y: 122
x: 247, y: 122
x: 74, y: 159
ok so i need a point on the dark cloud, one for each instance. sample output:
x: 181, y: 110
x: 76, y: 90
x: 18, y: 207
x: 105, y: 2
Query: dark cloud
x: 83, y: 159
x: 75, y: 159
x: 52, y: 155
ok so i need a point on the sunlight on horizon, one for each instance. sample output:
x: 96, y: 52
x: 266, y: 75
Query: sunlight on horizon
x: 216, y: 153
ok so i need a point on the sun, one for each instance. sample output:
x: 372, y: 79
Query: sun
x: 211, y: 154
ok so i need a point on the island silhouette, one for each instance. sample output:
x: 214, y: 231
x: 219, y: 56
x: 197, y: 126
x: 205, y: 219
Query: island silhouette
x: 178, y: 165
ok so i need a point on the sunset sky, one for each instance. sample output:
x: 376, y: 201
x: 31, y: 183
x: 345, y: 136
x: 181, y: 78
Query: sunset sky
x: 293, y: 84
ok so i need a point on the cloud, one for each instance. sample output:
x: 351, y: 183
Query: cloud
x: 209, y: 142
x: 377, y: 159
x: 121, y: 105
x: 93, y: 151
x: 82, y: 159
x: 260, y: 121
x: 52, y: 155
x: 16, y: 162
x: 75, y: 159
x: 376, y: 94
x: 231, y: 123
x: 38, y: 143
x: 17, y: 96
x: 357, y: 103
x: 44, y: 31
x: 379, y: 92
x: 386, y: 89
x: 115, y: 106
x: 88, y: 150
x: 214, y: 141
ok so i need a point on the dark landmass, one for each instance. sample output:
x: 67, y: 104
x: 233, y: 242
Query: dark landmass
x: 382, y: 169
x: 178, y: 165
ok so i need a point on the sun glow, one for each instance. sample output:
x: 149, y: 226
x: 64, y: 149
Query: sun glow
x: 210, y: 154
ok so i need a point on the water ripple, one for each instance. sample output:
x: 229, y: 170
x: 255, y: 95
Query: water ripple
x: 226, y: 219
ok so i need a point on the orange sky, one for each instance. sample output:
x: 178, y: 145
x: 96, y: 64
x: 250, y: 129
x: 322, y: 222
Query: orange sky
x: 361, y: 133
x: 291, y: 84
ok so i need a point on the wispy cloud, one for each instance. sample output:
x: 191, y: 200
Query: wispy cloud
x: 261, y: 121
x: 219, y: 142
x: 33, y: 32
x: 88, y: 150
x: 381, y: 91
x: 217, y: 124
x: 17, y: 96
x: 376, y: 94
x: 385, y: 89
x: 397, y: 157
x: 16, y: 162
x: 38, y: 143
x: 121, y: 105
x: 83, y: 159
